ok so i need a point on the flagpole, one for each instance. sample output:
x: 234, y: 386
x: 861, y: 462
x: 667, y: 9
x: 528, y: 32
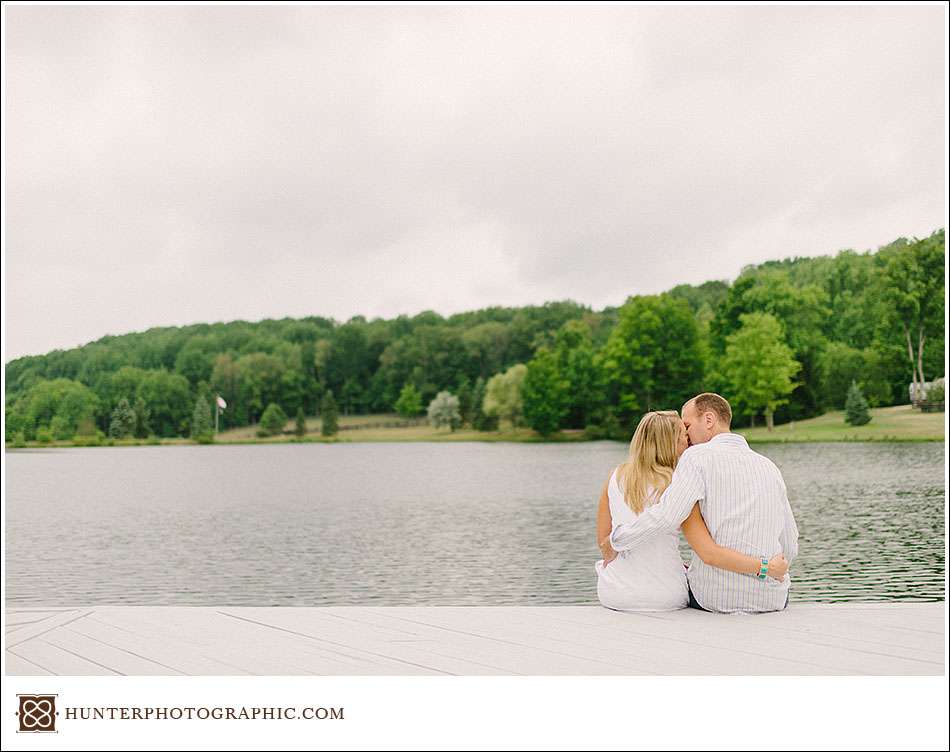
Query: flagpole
x: 219, y: 405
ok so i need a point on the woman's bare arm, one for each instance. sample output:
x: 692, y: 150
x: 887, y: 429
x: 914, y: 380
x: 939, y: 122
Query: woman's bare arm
x: 604, y: 525
x: 699, y: 539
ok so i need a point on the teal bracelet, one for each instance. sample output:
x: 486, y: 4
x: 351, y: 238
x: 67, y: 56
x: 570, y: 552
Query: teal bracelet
x: 763, y: 568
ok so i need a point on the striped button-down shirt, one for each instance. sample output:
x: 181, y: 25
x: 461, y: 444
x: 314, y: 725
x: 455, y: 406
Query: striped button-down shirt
x: 745, y: 505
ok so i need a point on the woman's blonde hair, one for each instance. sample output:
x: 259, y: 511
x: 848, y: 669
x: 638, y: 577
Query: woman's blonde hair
x: 652, y: 458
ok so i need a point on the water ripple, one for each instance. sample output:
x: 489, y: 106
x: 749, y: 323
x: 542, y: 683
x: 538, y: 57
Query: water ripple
x: 420, y: 524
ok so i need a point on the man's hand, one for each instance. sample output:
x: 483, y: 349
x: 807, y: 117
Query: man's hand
x: 607, y: 551
x: 778, y: 567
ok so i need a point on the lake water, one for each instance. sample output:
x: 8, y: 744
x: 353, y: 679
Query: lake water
x: 419, y: 523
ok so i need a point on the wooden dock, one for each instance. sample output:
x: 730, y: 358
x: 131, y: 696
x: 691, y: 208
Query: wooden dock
x: 806, y: 639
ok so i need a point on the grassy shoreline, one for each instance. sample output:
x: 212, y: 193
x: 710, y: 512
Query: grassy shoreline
x: 900, y: 423
x: 888, y: 424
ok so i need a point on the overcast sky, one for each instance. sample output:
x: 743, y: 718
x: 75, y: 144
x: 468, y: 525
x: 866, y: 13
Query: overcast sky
x: 172, y: 165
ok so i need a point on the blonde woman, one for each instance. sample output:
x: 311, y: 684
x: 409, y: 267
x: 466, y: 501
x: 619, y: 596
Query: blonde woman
x: 652, y: 577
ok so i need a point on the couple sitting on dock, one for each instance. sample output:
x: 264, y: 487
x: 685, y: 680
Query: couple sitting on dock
x: 693, y: 473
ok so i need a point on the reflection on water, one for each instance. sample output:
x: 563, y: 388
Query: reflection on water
x: 419, y: 524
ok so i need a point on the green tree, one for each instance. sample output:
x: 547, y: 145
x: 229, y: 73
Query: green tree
x: 168, y: 397
x: 576, y: 362
x: 13, y: 423
x: 432, y: 356
x: 848, y: 280
x: 110, y: 388
x: 840, y: 364
x: 122, y: 421
x: 708, y: 295
x: 886, y: 306
x: 546, y: 393
x: 300, y: 427
x: 202, y: 429
x: 272, y: 421
x: 68, y: 401
x: 195, y: 360
x: 409, y: 402
x: 292, y: 386
x: 328, y: 415
x: 912, y: 289
x: 480, y: 420
x: 856, y: 411
x: 937, y: 392
x: 486, y: 346
x: 260, y: 383
x: 62, y: 428
x: 444, y: 411
x: 652, y: 359
x: 353, y: 396
x: 86, y: 430
x: 503, y: 398
x: 142, y: 414
x: 758, y: 365
x: 465, y: 395
x: 802, y: 310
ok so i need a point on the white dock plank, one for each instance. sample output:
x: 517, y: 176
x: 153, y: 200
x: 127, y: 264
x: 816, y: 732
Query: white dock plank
x: 753, y: 648
x: 255, y: 648
x: 17, y: 666
x: 58, y: 661
x: 535, y: 650
x: 33, y: 630
x: 216, y: 639
x: 855, y: 634
x: 670, y: 654
x: 773, y: 629
x: 806, y: 639
x: 178, y: 655
x: 412, y: 649
x: 117, y: 659
x: 435, y: 643
x: 18, y: 619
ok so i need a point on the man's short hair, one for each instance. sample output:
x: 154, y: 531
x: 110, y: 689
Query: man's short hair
x: 708, y: 402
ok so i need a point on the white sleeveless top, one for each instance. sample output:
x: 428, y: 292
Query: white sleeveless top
x: 650, y: 577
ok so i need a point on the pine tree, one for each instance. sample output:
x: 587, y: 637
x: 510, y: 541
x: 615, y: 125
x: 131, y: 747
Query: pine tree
x: 272, y: 421
x: 201, y: 426
x: 301, y: 427
x: 122, y: 423
x: 328, y: 415
x: 856, y: 411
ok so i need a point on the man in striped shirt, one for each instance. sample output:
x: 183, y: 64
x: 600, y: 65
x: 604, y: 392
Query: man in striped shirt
x: 743, y: 499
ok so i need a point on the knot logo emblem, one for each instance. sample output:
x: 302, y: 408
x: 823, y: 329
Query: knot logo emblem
x: 37, y: 713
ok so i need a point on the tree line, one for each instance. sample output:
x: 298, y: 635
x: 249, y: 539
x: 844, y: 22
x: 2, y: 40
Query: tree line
x: 784, y: 341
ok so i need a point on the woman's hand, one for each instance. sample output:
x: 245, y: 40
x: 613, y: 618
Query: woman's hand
x: 604, y: 526
x: 607, y: 551
x: 778, y: 567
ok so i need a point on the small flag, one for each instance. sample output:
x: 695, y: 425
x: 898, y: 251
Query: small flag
x: 221, y: 403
